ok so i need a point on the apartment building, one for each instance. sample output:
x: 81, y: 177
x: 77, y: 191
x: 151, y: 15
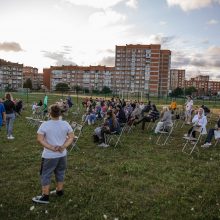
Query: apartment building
x: 177, y: 78
x: 142, y: 68
x: 10, y: 75
x: 87, y: 77
x: 32, y: 74
x: 203, y: 85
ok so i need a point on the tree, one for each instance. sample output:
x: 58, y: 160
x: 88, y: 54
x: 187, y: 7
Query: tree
x: 106, y: 90
x: 77, y: 88
x: 62, y: 87
x: 190, y: 90
x: 177, y: 92
x: 28, y: 84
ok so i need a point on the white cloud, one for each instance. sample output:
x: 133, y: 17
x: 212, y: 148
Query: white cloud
x: 187, y: 5
x: 100, y: 4
x: 212, y: 22
x: 105, y: 18
x: 163, y: 23
x: 132, y: 3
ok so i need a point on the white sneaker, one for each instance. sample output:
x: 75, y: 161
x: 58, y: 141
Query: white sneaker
x: 105, y: 145
x: 101, y: 145
x: 185, y: 135
x: 11, y: 137
x: 206, y: 145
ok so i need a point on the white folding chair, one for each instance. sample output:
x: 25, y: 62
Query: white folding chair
x: 216, y: 142
x: 77, y: 129
x: 114, y: 136
x: 188, y: 148
x: 164, y: 135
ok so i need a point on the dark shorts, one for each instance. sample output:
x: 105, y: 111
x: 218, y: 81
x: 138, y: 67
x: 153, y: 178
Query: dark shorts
x: 56, y: 165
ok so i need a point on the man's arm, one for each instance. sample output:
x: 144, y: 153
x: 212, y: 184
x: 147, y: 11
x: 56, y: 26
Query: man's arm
x: 67, y: 143
x: 41, y: 140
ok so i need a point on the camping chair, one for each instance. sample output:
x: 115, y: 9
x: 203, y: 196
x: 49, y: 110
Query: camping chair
x: 164, y: 135
x: 77, y: 129
x: 188, y: 144
x: 114, y: 136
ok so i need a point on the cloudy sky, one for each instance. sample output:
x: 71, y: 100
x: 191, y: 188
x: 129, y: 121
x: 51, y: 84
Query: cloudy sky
x: 42, y: 33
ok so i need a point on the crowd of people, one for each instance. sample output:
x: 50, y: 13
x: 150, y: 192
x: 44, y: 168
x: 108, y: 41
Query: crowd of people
x: 56, y: 135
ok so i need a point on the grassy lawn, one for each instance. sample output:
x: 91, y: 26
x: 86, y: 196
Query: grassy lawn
x: 136, y: 180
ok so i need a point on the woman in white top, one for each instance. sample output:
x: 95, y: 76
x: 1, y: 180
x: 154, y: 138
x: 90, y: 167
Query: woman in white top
x: 199, y: 124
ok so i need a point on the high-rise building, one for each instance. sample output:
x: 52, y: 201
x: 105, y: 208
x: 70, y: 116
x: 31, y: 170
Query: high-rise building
x: 177, y: 78
x: 142, y: 68
x: 10, y: 75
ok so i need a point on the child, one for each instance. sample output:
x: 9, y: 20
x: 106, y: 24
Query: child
x: 55, y: 136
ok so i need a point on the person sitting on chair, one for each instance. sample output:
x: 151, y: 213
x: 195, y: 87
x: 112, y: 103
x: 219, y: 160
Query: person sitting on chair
x: 110, y: 125
x: 199, y: 125
x: 166, y: 120
x: 212, y: 132
x: 152, y: 116
x: 120, y: 115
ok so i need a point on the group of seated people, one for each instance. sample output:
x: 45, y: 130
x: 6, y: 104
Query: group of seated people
x: 116, y: 113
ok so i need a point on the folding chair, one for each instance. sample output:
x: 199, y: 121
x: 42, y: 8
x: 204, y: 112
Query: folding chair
x: 114, y: 136
x: 29, y: 121
x: 77, y: 129
x: 216, y: 142
x: 189, y: 139
x: 164, y: 135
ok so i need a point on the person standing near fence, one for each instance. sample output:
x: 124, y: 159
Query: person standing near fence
x: 55, y: 136
x: 10, y: 115
x: 188, y: 110
x: 45, y: 104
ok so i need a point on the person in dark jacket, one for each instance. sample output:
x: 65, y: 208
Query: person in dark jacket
x: 146, y: 109
x: 152, y: 116
x: 10, y: 115
x: 121, y: 115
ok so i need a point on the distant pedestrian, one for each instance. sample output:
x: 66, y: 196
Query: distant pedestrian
x: 55, y: 136
x: 10, y: 115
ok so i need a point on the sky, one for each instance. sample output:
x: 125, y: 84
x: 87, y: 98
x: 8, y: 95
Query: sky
x: 44, y: 33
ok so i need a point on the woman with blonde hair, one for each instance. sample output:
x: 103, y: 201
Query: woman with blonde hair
x: 166, y: 119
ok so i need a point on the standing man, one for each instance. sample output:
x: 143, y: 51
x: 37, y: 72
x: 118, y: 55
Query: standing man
x: 54, y: 136
x: 2, y: 114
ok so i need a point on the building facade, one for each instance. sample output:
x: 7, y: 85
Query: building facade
x: 177, y: 78
x: 142, y: 68
x: 203, y: 85
x: 32, y: 74
x: 11, y: 75
x: 86, y: 77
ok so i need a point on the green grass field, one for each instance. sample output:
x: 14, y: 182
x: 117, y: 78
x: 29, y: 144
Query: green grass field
x: 136, y: 180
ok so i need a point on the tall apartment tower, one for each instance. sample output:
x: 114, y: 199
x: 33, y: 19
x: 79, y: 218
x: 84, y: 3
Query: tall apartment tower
x: 177, y: 78
x: 142, y: 68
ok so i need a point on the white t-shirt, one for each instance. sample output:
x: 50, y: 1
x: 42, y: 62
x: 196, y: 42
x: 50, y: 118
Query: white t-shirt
x: 55, y: 133
x: 189, y: 105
